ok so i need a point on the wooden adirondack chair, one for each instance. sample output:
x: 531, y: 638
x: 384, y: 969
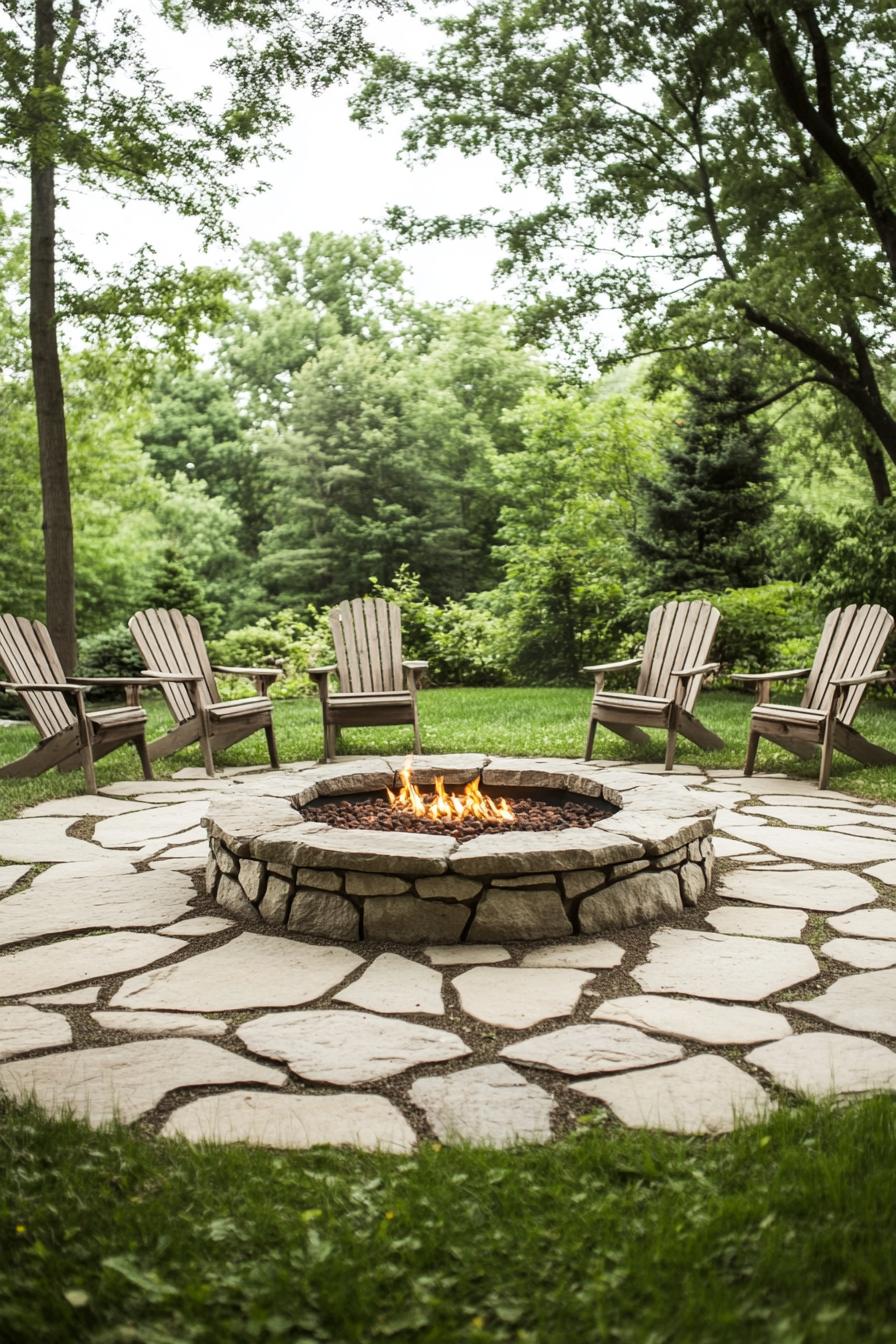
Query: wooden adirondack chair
x: 673, y: 668
x: 376, y: 685
x: 174, y: 650
x: 852, y: 641
x: 70, y: 733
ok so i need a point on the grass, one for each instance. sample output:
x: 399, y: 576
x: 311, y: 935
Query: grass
x: 779, y: 1233
x: 531, y: 721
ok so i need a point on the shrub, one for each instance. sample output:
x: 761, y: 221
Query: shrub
x: 109, y: 653
x: 287, y: 640
x: 762, y: 628
x: 860, y: 564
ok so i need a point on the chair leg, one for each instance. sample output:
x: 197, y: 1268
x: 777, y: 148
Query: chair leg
x: 752, y: 746
x: 207, y: 756
x: 827, y: 754
x: 589, y: 739
x: 418, y: 746
x: 671, y: 736
x: 272, y: 746
x: 88, y: 767
x: 141, y: 749
x: 329, y: 741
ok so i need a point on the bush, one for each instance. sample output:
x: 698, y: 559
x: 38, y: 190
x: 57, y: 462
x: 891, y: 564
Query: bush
x: 763, y: 628
x: 860, y: 564
x: 287, y: 640
x: 109, y: 653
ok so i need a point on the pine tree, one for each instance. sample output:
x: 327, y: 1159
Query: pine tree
x: 174, y: 586
x: 704, y: 517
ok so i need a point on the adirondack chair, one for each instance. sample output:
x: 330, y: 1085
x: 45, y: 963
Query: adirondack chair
x: 70, y: 733
x: 673, y: 668
x: 174, y: 650
x: 376, y: 685
x: 852, y: 641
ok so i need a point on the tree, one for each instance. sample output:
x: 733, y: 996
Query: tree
x: 174, y: 585
x: 705, y: 511
x: 704, y: 170
x: 80, y: 103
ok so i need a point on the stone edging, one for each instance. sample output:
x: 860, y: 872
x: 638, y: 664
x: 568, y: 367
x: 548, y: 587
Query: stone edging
x: 646, y: 861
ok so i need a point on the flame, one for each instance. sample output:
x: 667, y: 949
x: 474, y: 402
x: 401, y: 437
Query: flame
x: 443, y: 806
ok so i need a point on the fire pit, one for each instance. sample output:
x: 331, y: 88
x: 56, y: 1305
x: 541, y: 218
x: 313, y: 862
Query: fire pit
x: 457, y: 849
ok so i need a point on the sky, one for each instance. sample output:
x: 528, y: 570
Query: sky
x: 334, y: 176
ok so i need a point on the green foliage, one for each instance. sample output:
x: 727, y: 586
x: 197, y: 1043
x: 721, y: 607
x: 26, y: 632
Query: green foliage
x: 291, y: 641
x: 765, y: 627
x: 705, y: 514
x: 173, y: 585
x: 109, y: 653
x: 860, y: 565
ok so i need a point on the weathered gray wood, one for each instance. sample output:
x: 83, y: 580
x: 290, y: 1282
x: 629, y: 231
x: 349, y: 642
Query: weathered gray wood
x: 70, y: 734
x: 852, y: 641
x: 172, y: 643
x: 376, y: 687
x: 679, y: 638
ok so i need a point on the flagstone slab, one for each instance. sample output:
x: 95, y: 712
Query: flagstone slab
x: 725, y: 847
x: 251, y: 971
x: 104, y: 866
x: 491, y: 1105
x: 158, y: 788
x: 701, y: 1095
x: 865, y: 830
x: 826, y: 799
x: 164, y: 843
x: 346, y: 1048
x: 818, y: 846
x: 804, y: 889
x: 198, y: 926
x: 519, y: 997
x: 865, y: 954
x: 184, y: 796
x: 119, y: 901
x: 695, y: 1019
x: 123, y: 1082
x: 726, y: 820
x: 750, y: 859
x: 879, y: 923
x: 716, y: 966
x: 593, y: 1047
x: 757, y: 922
x: 134, y: 830
x: 884, y: 872
x: 166, y: 865
x: 343, y: 1120
x: 828, y: 1064
x: 863, y: 1002
x: 806, y: 816
x: 394, y: 984
x: 465, y: 954
x: 42, y: 840
x: 74, y: 959
x: 11, y: 873
x: 24, y: 1028
x: 160, y: 1024
x: 84, y: 805
x: 579, y: 956
x: 76, y: 997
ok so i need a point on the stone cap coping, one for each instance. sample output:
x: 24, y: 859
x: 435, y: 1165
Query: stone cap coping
x: 258, y: 817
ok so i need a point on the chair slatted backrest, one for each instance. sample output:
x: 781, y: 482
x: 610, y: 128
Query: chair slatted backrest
x: 172, y: 642
x: 367, y: 640
x: 851, y: 645
x: 27, y: 653
x: 679, y: 634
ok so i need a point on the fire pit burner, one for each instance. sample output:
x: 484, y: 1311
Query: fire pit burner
x: 550, y: 810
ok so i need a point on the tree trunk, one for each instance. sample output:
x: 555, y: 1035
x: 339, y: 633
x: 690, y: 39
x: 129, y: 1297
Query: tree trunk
x: 59, y: 558
x: 871, y: 455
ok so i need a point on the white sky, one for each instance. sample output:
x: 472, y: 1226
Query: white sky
x: 335, y: 176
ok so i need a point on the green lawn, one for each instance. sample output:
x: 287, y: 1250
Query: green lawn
x: 531, y: 721
x: 780, y: 1233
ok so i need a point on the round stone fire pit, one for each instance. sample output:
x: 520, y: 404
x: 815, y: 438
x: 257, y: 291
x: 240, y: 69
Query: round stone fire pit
x: 591, y: 850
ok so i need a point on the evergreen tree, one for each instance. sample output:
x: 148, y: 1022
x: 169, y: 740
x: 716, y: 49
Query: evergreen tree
x: 704, y: 516
x: 174, y: 586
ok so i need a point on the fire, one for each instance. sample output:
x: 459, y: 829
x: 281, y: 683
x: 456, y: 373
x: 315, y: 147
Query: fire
x: 443, y: 806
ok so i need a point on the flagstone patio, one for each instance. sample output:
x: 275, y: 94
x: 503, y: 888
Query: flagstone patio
x: 126, y: 990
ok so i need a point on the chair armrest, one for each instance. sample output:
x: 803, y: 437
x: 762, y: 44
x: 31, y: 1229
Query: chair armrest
x: 703, y: 670
x: 613, y: 667
x: 271, y: 672
x: 63, y: 687
x: 151, y: 674
x: 416, y: 665
x: 110, y: 681
x: 885, y: 674
x: 790, y: 674
x: 318, y: 672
